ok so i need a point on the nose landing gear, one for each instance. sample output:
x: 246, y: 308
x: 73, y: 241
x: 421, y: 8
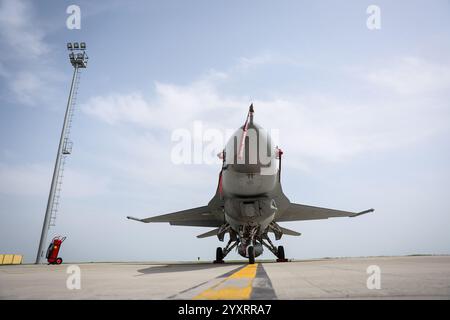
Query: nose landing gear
x: 251, y: 255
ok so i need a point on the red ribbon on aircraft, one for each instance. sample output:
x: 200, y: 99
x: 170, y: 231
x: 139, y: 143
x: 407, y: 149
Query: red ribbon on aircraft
x: 244, y: 133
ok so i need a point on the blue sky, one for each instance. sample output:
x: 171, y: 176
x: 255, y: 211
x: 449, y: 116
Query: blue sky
x: 363, y: 115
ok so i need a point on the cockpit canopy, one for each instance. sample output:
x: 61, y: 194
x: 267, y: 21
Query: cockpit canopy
x: 250, y: 152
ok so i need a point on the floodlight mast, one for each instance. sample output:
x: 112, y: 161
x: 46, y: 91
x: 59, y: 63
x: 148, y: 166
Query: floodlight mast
x: 78, y: 60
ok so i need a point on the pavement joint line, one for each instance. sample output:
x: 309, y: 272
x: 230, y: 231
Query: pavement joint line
x: 262, y: 286
x: 191, y: 288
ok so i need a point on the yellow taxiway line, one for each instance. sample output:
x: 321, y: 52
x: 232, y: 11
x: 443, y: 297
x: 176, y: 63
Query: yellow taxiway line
x: 237, y: 286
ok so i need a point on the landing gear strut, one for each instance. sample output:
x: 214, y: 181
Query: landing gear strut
x: 222, y: 253
x: 278, y: 252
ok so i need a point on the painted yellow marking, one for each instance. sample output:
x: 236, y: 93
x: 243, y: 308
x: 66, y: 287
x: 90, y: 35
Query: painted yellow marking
x: 237, y: 286
x: 11, y: 259
x: 17, y: 259
x: 8, y: 258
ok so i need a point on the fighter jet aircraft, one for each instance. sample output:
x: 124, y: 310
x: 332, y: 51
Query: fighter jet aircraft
x: 249, y: 202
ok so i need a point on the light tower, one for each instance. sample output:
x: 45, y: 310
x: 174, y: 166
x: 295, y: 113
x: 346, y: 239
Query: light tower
x: 78, y: 59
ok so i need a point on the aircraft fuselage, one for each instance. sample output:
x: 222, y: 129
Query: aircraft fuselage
x: 249, y: 178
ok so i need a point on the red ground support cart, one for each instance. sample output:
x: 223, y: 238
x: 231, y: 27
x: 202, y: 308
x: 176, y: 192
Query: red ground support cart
x: 53, y: 250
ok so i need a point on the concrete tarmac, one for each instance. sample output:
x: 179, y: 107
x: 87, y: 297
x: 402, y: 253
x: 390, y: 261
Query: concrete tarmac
x: 410, y: 277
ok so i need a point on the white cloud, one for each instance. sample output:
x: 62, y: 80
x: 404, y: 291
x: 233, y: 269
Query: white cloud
x: 27, y: 86
x: 34, y: 180
x: 80, y: 184
x: 120, y: 108
x: 24, y: 63
x: 249, y: 62
x: 19, y: 31
x: 411, y: 75
x: 329, y: 128
x: 313, y: 127
x: 173, y: 106
x: 146, y: 159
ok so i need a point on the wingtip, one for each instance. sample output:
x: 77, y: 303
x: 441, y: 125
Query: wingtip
x: 363, y: 212
x: 133, y: 218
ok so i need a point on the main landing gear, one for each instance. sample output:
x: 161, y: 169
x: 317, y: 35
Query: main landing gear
x: 249, y: 250
x: 222, y: 253
x: 280, y: 254
x: 219, y: 255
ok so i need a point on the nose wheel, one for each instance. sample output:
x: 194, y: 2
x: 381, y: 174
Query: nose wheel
x: 251, y: 255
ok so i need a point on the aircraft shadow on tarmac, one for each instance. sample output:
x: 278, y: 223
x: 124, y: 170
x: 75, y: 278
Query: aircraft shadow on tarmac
x: 187, y: 267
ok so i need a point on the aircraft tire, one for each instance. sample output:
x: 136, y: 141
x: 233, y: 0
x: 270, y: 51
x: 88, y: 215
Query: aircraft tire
x: 219, y: 255
x: 281, y: 255
x: 251, y: 255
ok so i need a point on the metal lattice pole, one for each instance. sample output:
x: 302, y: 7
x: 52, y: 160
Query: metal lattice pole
x: 78, y: 61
